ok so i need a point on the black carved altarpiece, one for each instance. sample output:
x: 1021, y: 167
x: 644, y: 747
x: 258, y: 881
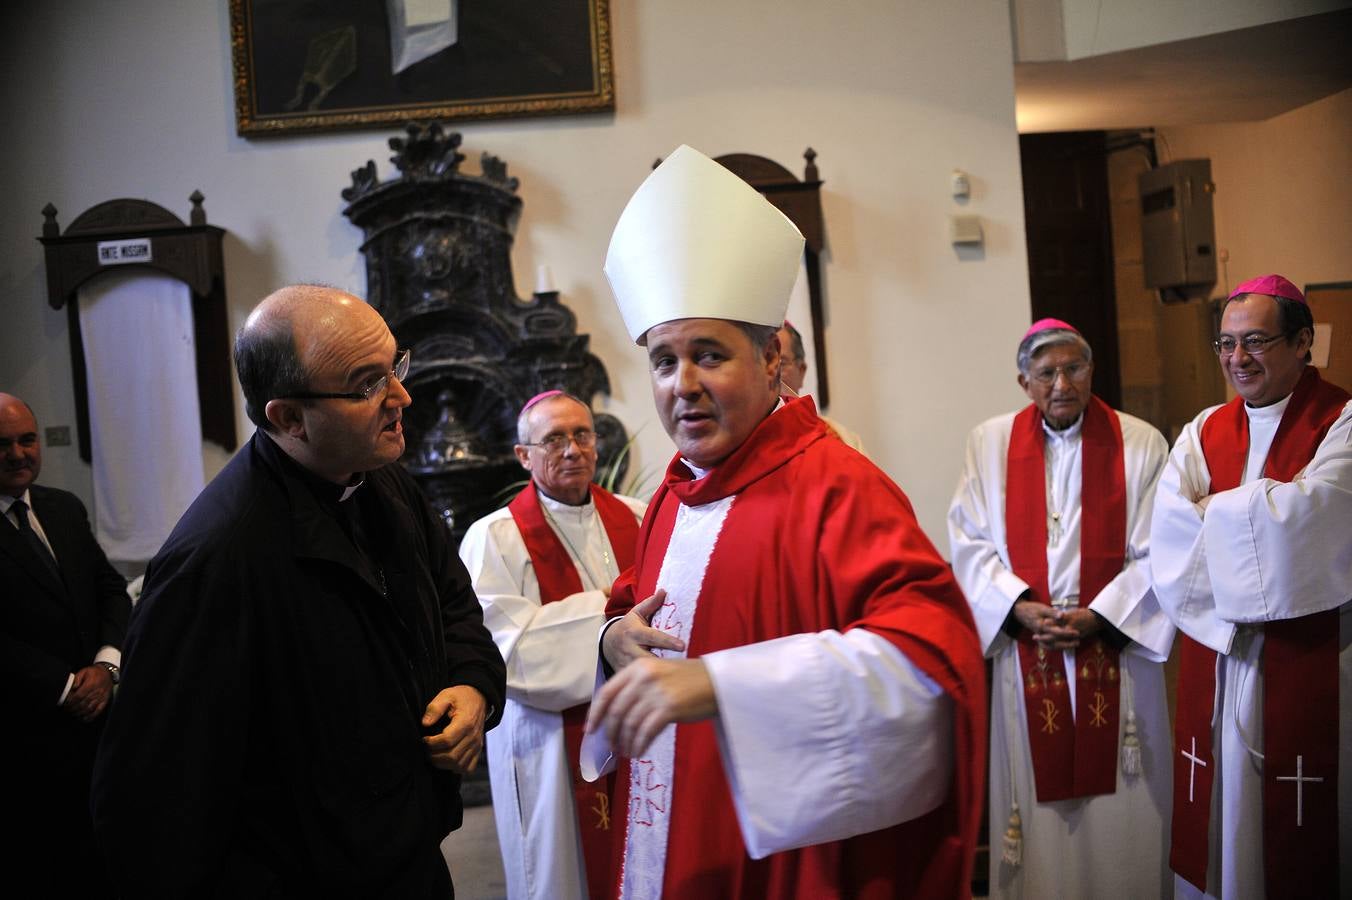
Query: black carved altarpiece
x: 437, y: 244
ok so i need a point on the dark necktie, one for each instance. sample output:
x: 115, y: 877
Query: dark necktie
x: 34, y: 542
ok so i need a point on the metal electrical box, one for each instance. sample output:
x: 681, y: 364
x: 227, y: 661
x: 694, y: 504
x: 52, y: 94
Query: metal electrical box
x: 1178, y: 229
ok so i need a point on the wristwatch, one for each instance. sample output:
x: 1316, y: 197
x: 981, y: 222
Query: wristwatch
x: 112, y: 670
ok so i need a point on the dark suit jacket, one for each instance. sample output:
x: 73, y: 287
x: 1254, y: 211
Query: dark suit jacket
x: 266, y: 737
x: 49, y: 629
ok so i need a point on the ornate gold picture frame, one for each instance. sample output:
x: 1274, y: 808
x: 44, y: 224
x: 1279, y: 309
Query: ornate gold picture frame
x: 327, y: 65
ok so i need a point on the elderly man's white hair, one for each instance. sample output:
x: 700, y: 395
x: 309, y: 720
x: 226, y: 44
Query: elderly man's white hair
x: 1035, y: 343
x: 523, y: 417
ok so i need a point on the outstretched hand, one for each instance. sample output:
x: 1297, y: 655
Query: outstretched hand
x: 650, y: 694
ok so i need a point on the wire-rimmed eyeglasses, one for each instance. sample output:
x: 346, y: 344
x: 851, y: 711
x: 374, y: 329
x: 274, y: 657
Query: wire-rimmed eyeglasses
x: 1076, y: 371
x: 375, y: 386
x: 555, y: 444
x: 1253, y: 344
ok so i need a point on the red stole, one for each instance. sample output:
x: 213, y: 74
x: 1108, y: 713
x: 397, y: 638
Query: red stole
x: 1300, y: 700
x: 1077, y: 760
x: 558, y: 578
x: 818, y: 538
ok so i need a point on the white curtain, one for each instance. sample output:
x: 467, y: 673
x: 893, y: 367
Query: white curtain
x: 145, y: 428
x: 800, y: 316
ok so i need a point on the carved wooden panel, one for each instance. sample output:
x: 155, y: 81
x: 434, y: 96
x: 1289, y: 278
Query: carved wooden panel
x: 191, y: 253
x: 437, y: 244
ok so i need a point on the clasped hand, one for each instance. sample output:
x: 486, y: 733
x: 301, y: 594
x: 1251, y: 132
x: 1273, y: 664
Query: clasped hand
x: 89, y: 693
x: 1056, y: 629
x: 647, y: 694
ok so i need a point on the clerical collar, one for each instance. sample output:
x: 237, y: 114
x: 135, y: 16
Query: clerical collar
x: 695, y: 470
x: 1270, y: 413
x: 1070, y: 431
x: 558, y: 506
x: 323, y: 489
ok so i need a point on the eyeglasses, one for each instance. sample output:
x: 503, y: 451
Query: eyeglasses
x: 555, y: 444
x: 1253, y: 344
x: 376, y: 387
x: 1076, y: 371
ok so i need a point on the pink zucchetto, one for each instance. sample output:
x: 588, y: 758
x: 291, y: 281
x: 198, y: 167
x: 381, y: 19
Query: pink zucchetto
x: 543, y: 395
x: 1047, y: 325
x: 1272, y: 285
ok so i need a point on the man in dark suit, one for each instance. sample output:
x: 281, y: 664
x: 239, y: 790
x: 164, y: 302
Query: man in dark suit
x: 61, y: 627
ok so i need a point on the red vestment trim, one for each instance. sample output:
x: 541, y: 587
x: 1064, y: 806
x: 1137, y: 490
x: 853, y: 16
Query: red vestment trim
x: 557, y: 577
x: 1079, y: 761
x: 817, y: 538
x: 1300, y: 670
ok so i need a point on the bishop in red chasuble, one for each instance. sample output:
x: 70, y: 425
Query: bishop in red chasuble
x: 797, y: 705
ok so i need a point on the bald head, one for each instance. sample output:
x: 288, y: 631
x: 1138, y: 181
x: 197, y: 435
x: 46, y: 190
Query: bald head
x: 296, y: 333
x: 20, y: 448
x: 12, y: 405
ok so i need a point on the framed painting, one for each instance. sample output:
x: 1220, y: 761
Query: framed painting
x: 325, y: 65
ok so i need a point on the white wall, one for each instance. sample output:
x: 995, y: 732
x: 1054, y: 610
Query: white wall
x: 1283, y: 191
x: 134, y: 100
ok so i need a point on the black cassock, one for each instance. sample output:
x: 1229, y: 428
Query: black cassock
x: 266, y: 737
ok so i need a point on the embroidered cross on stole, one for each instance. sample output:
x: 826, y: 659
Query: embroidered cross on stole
x: 1300, y: 671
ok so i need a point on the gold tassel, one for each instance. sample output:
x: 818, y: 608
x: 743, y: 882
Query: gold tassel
x: 1013, y: 853
x: 1131, y: 747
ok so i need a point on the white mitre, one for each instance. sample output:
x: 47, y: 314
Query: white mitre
x: 697, y: 242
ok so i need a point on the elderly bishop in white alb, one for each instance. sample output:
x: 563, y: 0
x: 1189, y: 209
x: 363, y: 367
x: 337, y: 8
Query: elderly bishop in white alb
x: 1050, y: 534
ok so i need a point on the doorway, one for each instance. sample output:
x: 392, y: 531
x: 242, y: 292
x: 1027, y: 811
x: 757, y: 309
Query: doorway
x: 1067, y: 215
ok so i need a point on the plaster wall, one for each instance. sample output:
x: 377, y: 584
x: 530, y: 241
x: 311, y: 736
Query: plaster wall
x: 135, y: 100
x: 1283, y: 198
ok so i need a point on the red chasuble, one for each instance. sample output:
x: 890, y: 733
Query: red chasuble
x: 1072, y: 757
x: 1300, y: 672
x: 557, y: 577
x: 818, y: 538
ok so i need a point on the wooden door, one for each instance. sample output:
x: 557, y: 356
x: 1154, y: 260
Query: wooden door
x: 1069, y: 230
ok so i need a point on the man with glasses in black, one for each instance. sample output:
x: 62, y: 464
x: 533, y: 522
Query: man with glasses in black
x: 1049, y: 530
x: 307, y: 674
x: 542, y: 568
x: 1251, y: 547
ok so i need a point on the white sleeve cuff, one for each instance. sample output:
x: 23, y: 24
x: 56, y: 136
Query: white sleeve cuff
x: 825, y: 736
x: 596, y: 758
